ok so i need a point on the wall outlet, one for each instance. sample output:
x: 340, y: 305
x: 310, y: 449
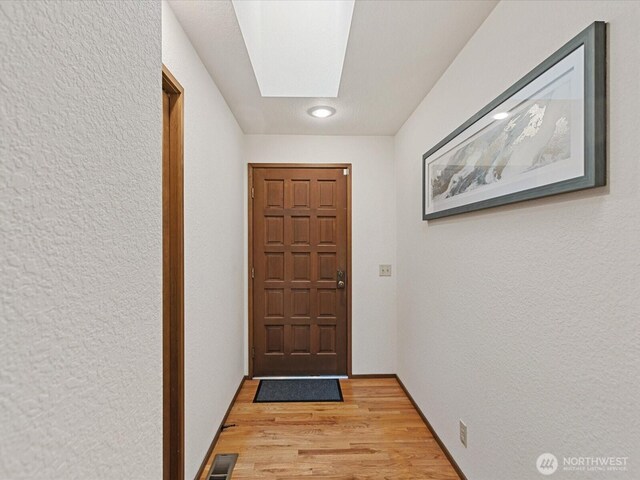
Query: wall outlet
x: 385, y: 270
x: 463, y: 433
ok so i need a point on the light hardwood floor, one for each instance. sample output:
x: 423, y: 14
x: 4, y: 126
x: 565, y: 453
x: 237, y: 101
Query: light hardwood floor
x: 374, y: 434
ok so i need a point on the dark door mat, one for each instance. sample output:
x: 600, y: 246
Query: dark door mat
x: 306, y: 390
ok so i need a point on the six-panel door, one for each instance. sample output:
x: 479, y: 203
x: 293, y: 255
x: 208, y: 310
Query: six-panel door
x: 299, y: 246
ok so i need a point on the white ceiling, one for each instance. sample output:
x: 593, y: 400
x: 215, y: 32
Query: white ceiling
x: 397, y: 51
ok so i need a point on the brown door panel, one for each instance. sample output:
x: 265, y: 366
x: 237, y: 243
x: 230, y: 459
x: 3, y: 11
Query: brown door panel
x: 299, y: 245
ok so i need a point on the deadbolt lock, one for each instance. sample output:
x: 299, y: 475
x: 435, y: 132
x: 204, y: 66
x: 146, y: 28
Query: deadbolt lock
x: 341, y: 277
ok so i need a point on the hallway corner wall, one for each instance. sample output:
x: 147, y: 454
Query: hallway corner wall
x: 81, y: 240
x: 522, y: 320
x: 213, y: 213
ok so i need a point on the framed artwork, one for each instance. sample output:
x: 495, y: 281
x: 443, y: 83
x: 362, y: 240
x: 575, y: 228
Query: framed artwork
x: 545, y: 135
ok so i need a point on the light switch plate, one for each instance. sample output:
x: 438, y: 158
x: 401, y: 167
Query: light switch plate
x: 385, y: 270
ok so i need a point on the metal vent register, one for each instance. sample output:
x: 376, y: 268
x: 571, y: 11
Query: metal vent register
x: 222, y: 466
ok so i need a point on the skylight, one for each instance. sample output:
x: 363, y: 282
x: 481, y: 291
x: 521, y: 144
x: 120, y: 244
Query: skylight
x: 296, y: 48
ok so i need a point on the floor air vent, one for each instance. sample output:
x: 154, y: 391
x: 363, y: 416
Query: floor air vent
x: 222, y: 466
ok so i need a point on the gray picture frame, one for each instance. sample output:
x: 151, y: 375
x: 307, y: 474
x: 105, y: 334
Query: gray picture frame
x: 593, y: 38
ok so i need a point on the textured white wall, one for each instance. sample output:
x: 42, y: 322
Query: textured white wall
x: 373, y: 231
x: 81, y: 244
x: 523, y: 320
x: 214, y: 247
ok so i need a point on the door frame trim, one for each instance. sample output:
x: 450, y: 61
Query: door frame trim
x: 251, y: 167
x: 173, y: 284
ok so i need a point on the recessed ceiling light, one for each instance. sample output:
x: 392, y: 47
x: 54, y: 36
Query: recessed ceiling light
x: 501, y: 115
x: 321, y: 112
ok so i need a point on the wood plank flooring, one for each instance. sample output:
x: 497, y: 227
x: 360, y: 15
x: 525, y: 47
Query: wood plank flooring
x: 374, y: 434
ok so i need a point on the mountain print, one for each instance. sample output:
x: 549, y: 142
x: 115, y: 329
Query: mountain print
x: 534, y: 135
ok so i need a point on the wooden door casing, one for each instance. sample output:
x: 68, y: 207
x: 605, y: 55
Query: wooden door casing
x: 173, y: 276
x: 299, y: 235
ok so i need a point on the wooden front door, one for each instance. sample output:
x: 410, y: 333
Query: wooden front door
x: 299, y: 270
